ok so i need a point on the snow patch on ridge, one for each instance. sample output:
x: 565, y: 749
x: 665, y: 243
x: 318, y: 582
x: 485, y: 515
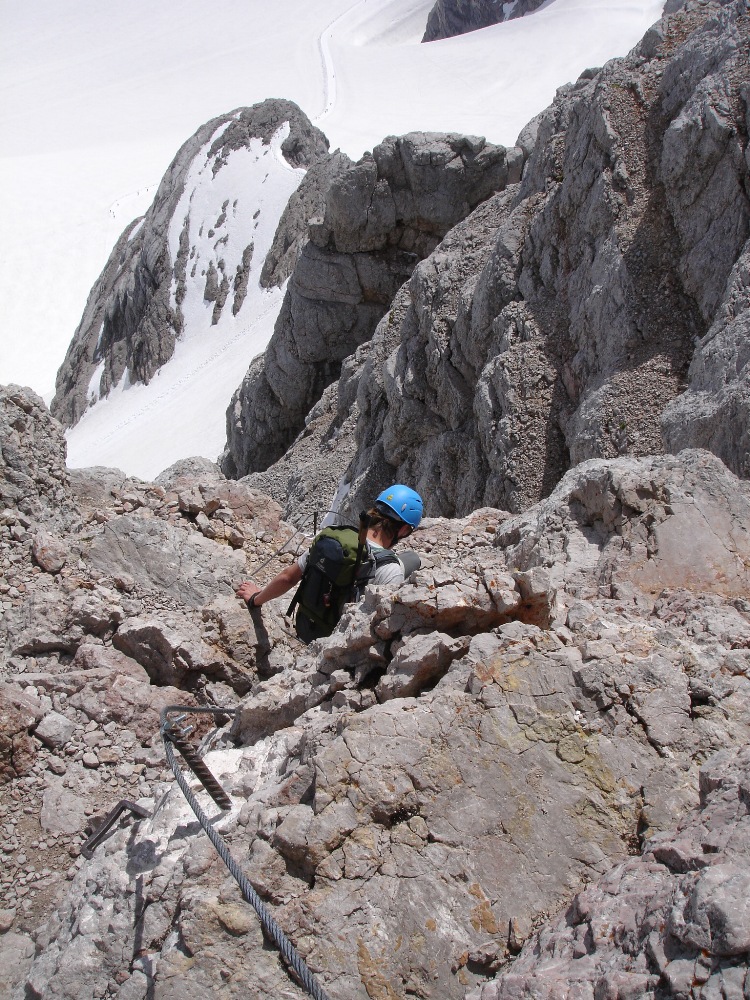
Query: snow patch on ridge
x: 182, y: 410
x: 92, y: 393
x: 226, y: 212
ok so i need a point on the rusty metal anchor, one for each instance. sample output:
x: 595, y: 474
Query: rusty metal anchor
x: 88, y: 848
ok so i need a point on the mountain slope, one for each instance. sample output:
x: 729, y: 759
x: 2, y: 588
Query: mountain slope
x: 373, y: 77
x: 182, y: 286
x: 551, y: 716
x: 565, y: 327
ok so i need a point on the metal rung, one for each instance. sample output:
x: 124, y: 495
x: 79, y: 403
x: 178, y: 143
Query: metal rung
x: 90, y: 845
x: 202, y: 772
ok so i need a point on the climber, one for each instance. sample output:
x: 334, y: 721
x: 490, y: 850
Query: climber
x: 342, y: 560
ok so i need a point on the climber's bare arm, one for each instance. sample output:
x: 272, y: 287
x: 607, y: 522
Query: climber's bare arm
x: 289, y: 577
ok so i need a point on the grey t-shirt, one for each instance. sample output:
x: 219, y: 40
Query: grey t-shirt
x: 390, y: 573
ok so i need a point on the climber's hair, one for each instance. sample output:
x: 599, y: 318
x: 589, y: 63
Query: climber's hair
x: 388, y: 525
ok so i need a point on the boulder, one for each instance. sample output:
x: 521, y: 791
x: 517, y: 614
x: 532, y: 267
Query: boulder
x: 50, y: 553
x: 55, y: 730
x: 170, y: 648
x: 18, y: 715
x: 57, y: 620
x: 625, y: 522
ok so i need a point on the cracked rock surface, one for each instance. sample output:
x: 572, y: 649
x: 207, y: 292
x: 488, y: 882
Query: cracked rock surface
x: 673, y: 922
x: 598, y: 308
x: 522, y: 773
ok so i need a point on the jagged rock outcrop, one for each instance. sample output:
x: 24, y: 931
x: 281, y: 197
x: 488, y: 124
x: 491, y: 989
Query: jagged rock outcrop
x: 519, y: 730
x: 134, y: 313
x: 382, y: 215
x: 400, y: 787
x: 610, y: 260
x: 598, y: 308
x: 674, y: 922
x: 714, y: 411
x: 33, y: 475
x: 455, y: 17
x: 307, y: 202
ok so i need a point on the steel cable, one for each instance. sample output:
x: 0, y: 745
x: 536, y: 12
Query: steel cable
x: 272, y: 930
x: 297, y: 531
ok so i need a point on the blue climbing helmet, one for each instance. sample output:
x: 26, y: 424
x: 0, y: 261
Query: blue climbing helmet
x: 401, y: 503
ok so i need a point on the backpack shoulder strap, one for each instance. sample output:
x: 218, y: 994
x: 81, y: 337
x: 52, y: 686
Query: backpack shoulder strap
x: 384, y: 556
x: 375, y: 558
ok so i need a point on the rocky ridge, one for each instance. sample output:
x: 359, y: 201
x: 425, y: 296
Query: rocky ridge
x: 522, y: 344
x: 455, y: 17
x: 380, y: 217
x: 598, y: 284
x: 134, y: 312
x: 552, y: 677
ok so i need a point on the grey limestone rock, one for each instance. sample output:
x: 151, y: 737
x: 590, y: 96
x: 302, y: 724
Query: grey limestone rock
x: 132, y: 318
x: 53, y: 620
x: 187, y: 471
x: 381, y: 216
x: 304, y: 480
x: 79, y: 719
x: 455, y: 17
x: 714, y: 411
x: 609, y: 532
x: 307, y: 202
x: 526, y: 722
x: 64, y: 809
x: 54, y: 730
x: 615, y: 523
x: 159, y: 556
x: 16, y: 956
x: 572, y: 334
x: 672, y: 923
x: 33, y: 477
x: 428, y: 813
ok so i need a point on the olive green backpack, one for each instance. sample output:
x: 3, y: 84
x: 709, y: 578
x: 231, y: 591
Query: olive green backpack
x: 339, y: 566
